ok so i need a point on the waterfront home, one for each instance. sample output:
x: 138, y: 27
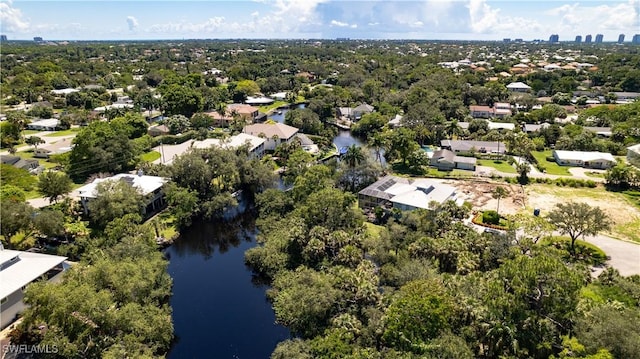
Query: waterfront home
x: 17, y: 270
x: 405, y: 193
x: 274, y: 133
x: 255, y: 144
x: 149, y: 186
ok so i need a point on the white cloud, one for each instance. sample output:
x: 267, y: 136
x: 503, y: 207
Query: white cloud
x: 338, y: 23
x: 132, y: 22
x: 484, y: 20
x: 11, y: 19
x: 585, y: 19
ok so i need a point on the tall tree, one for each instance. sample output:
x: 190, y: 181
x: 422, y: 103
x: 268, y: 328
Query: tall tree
x: 353, y: 156
x: 34, y: 141
x: 498, y: 193
x: 114, y: 199
x: 53, y: 185
x: 577, y: 219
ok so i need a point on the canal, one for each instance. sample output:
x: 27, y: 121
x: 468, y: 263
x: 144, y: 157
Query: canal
x: 219, y: 309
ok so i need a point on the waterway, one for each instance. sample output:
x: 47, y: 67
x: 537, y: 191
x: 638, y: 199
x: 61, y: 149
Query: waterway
x: 219, y: 309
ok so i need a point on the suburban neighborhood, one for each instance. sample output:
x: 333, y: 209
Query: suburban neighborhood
x: 389, y: 198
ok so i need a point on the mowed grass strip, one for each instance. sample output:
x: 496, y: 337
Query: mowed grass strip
x: 551, y: 168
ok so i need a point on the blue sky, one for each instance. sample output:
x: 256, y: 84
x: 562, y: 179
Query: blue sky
x: 368, y: 19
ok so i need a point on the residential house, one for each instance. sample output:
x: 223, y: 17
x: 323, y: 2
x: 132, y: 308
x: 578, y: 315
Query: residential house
x: 262, y: 100
x: 63, y: 146
x: 405, y: 193
x: 306, y: 143
x: 158, y: 130
x: 627, y: 95
x: 249, y: 113
x: 255, y: 144
x: 530, y: 127
x: 499, y: 110
x: 501, y: 125
x: 149, y: 186
x: 600, y: 131
x: 49, y: 124
x: 478, y: 111
x: 633, y: 155
x: 396, y: 121
x: 355, y: 113
x: 31, y: 165
x: 473, y: 146
x: 274, y: 133
x: 446, y: 160
x: 593, y: 159
x: 17, y: 270
x: 519, y: 87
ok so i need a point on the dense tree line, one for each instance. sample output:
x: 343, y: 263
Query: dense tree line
x: 426, y: 285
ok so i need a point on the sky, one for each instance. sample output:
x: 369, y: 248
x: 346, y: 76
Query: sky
x: 318, y: 19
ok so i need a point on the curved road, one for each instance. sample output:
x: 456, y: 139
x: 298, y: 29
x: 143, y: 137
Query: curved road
x: 623, y: 256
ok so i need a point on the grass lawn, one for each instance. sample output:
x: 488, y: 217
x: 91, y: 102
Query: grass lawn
x: 594, y: 174
x: 551, y: 168
x: 273, y: 106
x: 433, y: 172
x: 373, y: 230
x: 30, y: 132
x: 150, y: 156
x: 623, y: 208
x: 70, y: 131
x: 26, y: 155
x: 502, y: 166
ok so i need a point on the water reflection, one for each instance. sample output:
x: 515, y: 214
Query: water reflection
x: 219, y: 308
x: 205, y: 237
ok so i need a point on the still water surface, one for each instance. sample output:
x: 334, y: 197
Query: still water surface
x: 219, y: 311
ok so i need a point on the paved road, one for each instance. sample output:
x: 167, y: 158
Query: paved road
x: 624, y: 256
x: 169, y: 152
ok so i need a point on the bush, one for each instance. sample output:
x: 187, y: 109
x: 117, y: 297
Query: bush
x: 173, y: 139
x: 551, y: 159
x: 584, y: 251
x: 490, y: 217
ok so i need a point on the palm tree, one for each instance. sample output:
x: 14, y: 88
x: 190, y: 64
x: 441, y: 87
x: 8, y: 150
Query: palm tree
x: 353, y: 155
x: 221, y: 109
x: 453, y: 128
x: 498, y: 193
x: 377, y: 141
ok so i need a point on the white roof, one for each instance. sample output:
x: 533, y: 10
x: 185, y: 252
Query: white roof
x: 115, y: 105
x: 258, y: 100
x: 634, y: 148
x: 231, y: 142
x: 518, y: 85
x: 25, y: 270
x: 501, y: 125
x: 64, y: 91
x: 48, y: 122
x: 584, y: 156
x: 421, y: 192
x: 146, y: 184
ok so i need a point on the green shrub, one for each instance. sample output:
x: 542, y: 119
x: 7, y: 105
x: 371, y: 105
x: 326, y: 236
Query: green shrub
x: 550, y: 159
x: 584, y: 251
x: 490, y: 217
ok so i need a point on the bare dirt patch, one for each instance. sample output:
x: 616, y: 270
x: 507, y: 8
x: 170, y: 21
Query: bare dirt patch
x: 480, y: 194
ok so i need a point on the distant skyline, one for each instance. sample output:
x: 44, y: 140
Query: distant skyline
x: 317, y: 19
